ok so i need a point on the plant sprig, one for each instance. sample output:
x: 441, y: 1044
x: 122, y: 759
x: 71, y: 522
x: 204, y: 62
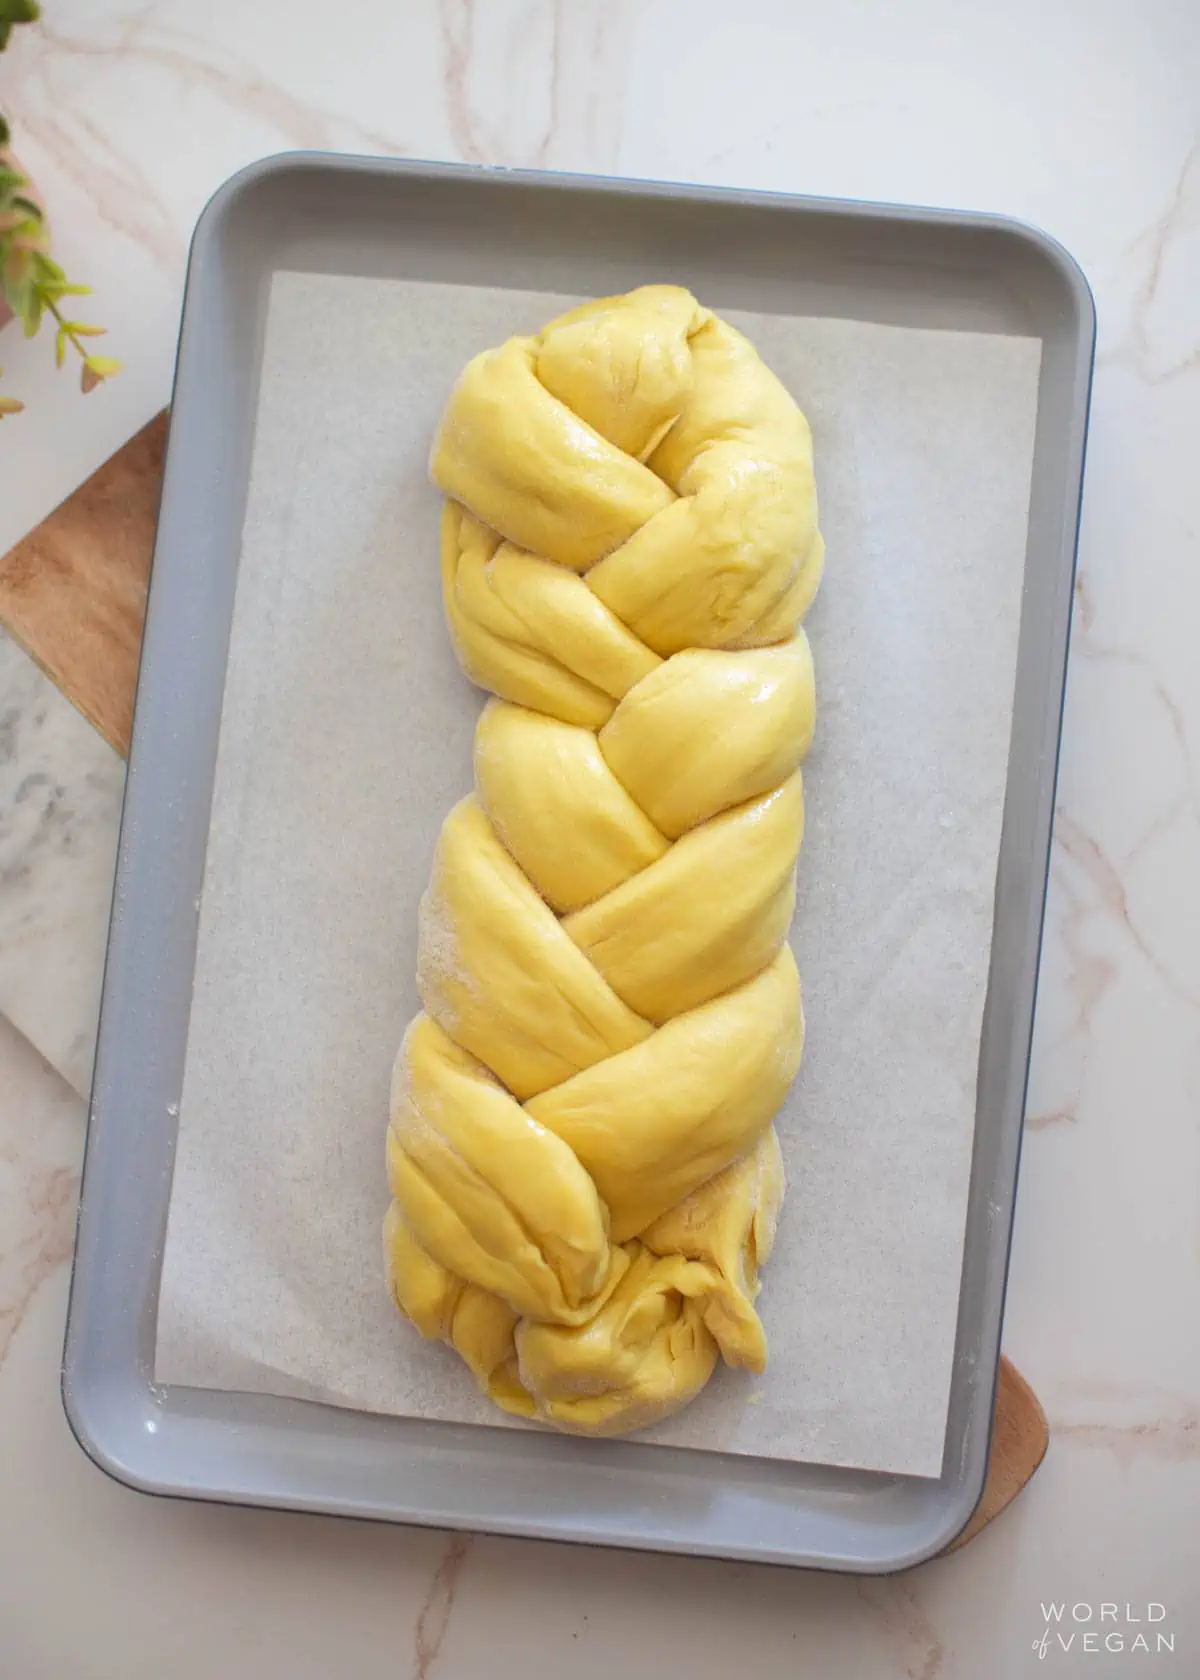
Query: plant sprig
x: 34, y: 285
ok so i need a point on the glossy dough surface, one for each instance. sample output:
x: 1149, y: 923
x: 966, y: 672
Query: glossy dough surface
x: 584, y: 1171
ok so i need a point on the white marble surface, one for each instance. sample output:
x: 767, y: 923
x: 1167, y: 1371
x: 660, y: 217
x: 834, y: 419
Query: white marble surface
x: 60, y: 802
x: 1081, y: 115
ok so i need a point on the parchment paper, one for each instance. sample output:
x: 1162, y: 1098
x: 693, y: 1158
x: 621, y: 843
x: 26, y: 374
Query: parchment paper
x: 346, y: 737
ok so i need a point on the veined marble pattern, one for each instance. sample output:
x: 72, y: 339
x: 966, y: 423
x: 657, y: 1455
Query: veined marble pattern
x: 41, y: 1151
x: 1081, y: 116
x: 60, y: 803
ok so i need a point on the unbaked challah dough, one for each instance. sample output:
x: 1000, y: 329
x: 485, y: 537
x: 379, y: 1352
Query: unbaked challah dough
x: 584, y: 1171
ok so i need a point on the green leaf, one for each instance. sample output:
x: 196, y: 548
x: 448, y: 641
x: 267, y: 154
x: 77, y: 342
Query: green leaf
x: 60, y: 346
x: 32, y: 210
x: 46, y: 268
x: 16, y: 277
x: 82, y: 330
x: 13, y: 12
x: 5, y: 131
x: 14, y: 289
x: 9, y: 405
x: 31, y: 315
x: 94, y: 369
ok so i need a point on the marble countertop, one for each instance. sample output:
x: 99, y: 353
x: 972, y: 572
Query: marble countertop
x: 1078, y: 115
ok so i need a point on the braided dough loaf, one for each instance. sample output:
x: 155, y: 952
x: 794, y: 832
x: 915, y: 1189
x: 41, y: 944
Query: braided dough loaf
x: 585, y: 1173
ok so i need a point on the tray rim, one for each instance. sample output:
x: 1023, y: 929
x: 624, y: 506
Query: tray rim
x: 91, y: 1421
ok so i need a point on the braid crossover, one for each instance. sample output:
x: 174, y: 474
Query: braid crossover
x: 584, y: 1170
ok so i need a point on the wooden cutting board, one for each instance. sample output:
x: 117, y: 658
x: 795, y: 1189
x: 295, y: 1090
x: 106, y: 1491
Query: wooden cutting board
x: 74, y: 595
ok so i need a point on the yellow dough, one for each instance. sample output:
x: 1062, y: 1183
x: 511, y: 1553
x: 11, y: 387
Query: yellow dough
x: 584, y: 1171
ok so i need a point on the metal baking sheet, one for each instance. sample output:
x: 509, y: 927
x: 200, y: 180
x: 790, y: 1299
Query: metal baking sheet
x: 362, y: 217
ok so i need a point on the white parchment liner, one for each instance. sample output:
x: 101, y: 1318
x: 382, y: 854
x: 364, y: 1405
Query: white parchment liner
x: 346, y: 737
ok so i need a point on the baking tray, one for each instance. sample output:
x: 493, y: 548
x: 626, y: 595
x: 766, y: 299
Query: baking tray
x: 756, y: 251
